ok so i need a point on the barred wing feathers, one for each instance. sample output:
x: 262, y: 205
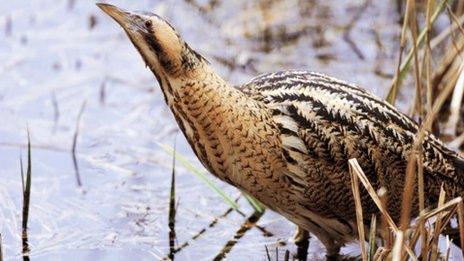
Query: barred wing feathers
x: 324, y: 122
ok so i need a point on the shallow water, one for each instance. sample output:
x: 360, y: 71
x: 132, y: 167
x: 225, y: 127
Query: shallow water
x: 57, y: 56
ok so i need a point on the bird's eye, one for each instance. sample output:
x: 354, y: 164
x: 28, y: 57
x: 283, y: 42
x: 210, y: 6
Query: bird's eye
x: 148, y: 24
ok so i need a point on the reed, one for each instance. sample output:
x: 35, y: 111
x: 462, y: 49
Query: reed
x: 172, y: 209
x: 26, y: 185
x: 405, y: 239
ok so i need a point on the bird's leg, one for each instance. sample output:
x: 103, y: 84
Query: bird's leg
x: 301, y: 239
x: 300, y: 235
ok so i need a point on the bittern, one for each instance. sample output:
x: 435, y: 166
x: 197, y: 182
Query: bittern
x: 286, y: 137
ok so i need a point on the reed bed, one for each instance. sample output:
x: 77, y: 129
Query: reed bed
x: 438, y: 91
x: 404, y: 239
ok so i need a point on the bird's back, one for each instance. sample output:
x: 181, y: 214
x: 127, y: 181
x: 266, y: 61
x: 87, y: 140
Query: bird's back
x: 324, y: 122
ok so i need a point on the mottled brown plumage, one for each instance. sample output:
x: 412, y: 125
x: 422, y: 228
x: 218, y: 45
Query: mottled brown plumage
x: 286, y: 137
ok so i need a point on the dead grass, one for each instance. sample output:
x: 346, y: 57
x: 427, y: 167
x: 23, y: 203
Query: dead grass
x: 436, y: 85
x: 404, y: 239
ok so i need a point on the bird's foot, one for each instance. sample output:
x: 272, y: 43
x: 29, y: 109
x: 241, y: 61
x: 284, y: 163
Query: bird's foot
x: 333, y: 252
x: 334, y: 257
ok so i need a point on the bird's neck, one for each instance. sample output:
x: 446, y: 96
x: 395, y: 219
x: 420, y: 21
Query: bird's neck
x: 228, y: 131
x: 201, y: 102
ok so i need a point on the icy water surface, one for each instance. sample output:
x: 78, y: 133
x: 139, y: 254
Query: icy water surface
x: 60, y: 57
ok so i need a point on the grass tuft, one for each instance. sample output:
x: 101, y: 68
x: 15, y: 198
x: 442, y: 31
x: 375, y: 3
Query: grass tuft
x: 26, y: 185
x: 172, y: 208
x: 405, y: 239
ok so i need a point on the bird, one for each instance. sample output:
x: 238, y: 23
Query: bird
x: 286, y: 137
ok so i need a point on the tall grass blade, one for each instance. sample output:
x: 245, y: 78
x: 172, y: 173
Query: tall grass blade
x: 26, y: 199
x: 172, y: 208
x: 21, y: 167
x: 268, y: 256
x: 257, y: 206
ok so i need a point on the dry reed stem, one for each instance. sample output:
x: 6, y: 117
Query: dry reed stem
x: 436, y: 232
x: 414, y: 161
x: 461, y: 224
x: 446, y: 32
x: 397, y: 250
x: 415, y: 237
x: 391, y: 97
x: 456, y: 100
x: 408, y: 192
x: 425, y: 216
x: 444, y: 207
x: 385, y: 233
x: 455, y: 19
x: 381, y: 253
x: 403, y: 67
x: 448, y: 249
x: 359, y: 214
x: 417, y: 71
x: 421, y: 191
x: 372, y: 237
x: 428, y: 54
x: 362, y: 177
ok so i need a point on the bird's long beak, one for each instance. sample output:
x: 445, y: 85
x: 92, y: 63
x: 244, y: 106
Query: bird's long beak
x: 121, y: 16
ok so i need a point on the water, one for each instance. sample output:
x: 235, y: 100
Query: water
x: 57, y: 55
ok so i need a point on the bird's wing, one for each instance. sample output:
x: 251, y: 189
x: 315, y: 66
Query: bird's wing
x: 325, y: 121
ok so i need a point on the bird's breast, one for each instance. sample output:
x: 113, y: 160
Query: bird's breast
x: 233, y: 136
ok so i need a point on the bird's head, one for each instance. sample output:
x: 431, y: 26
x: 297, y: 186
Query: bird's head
x: 161, y: 47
